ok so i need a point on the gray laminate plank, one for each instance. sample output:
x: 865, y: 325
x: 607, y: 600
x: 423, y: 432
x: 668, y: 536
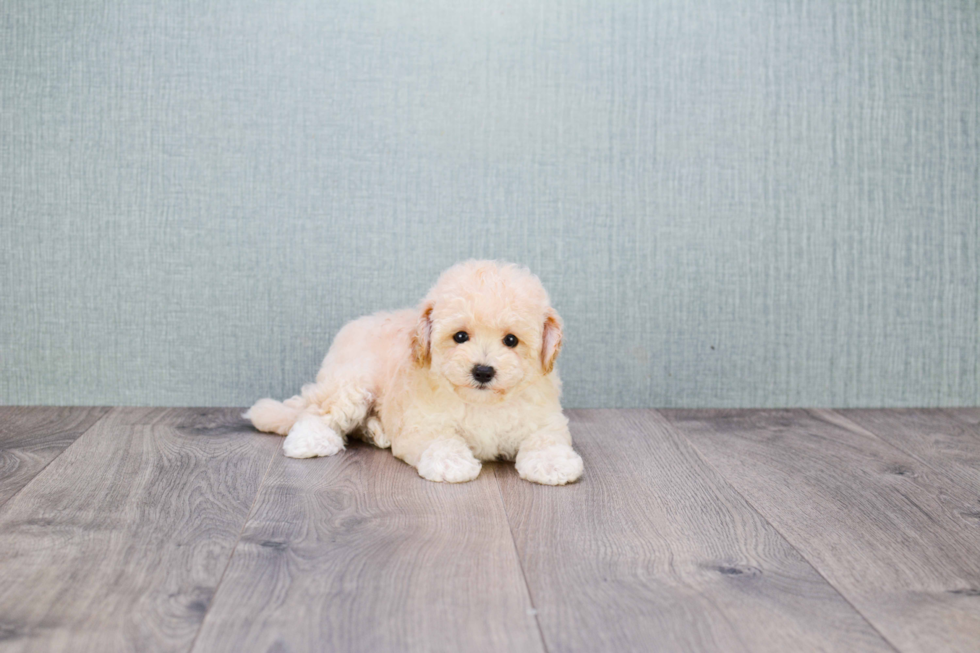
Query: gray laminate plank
x: 970, y: 416
x: 653, y: 551
x: 355, y: 552
x: 120, y: 542
x: 33, y: 436
x: 935, y: 436
x: 885, y: 529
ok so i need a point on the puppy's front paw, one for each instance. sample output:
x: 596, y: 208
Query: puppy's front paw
x: 554, y: 465
x: 448, y: 461
x: 310, y: 437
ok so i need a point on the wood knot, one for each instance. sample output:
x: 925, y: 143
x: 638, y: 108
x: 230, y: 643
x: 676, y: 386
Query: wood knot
x: 738, y: 570
x: 272, y: 544
x: 899, y: 470
x: 969, y: 591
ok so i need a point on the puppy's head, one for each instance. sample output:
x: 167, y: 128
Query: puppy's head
x: 487, y: 328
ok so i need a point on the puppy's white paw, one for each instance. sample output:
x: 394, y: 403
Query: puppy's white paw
x: 311, y: 437
x: 554, y: 465
x: 448, y: 461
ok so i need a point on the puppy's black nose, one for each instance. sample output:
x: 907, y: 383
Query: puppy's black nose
x: 483, y: 373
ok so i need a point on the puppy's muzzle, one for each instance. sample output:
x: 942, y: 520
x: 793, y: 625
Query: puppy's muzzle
x: 483, y: 374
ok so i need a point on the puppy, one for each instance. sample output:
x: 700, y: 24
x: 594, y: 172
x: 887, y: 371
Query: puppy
x: 468, y: 376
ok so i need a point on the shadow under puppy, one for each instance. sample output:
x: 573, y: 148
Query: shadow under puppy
x: 468, y: 376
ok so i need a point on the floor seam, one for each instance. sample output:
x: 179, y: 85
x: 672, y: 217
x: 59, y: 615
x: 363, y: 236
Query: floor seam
x: 111, y: 410
x: 231, y: 555
x: 680, y: 433
x: 520, y: 563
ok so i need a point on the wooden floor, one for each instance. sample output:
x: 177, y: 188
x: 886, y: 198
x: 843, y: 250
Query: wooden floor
x: 151, y: 529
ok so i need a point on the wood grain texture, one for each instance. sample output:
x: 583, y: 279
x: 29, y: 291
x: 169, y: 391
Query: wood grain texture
x: 32, y: 436
x: 120, y: 543
x: 891, y: 534
x: 355, y: 552
x: 652, y: 551
x: 935, y: 437
x: 970, y: 416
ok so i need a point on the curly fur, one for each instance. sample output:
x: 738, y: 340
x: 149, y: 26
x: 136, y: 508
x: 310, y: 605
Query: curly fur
x: 400, y: 379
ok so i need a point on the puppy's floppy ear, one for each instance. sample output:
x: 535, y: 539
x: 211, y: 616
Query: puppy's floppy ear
x: 422, y: 338
x: 550, y: 339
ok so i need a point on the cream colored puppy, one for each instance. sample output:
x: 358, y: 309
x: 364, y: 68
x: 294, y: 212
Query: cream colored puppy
x: 468, y: 376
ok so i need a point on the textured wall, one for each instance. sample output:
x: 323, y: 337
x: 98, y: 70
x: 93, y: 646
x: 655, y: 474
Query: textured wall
x: 749, y: 203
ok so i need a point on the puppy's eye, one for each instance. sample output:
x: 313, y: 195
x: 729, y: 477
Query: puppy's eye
x: 510, y: 340
x: 461, y: 337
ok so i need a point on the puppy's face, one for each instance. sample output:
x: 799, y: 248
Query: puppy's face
x: 487, y: 332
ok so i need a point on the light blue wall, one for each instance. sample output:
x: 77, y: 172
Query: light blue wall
x: 756, y: 203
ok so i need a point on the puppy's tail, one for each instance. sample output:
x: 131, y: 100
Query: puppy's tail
x: 274, y: 416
